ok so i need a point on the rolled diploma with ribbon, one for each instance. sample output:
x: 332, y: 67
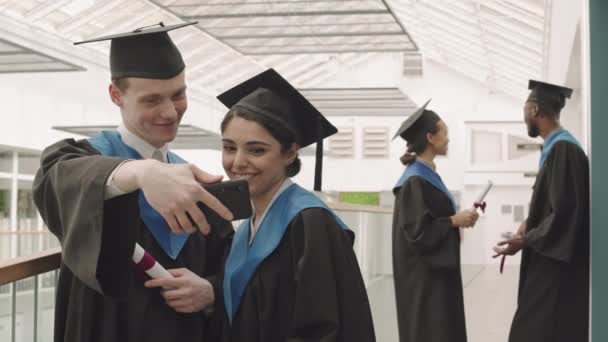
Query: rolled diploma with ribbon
x: 145, y: 262
x: 479, y: 202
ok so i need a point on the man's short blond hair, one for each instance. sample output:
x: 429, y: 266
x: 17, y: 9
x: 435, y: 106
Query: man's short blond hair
x: 122, y: 83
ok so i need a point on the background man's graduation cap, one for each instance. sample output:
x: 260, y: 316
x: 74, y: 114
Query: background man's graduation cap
x: 147, y: 52
x: 270, y: 95
x: 548, y: 96
x: 419, y: 122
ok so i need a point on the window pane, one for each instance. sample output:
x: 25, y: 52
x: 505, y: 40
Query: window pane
x: 29, y: 163
x: 5, y: 218
x: 6, y: 161
x: 29, y: 238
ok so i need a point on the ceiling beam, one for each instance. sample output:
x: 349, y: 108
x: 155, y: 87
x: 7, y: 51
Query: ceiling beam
x: 333, y: 51
x: 44, y: 9
x: 314, y: 35
x: 320, y: 45
x: 513, y: 62
x: 279, y: 26
x: 96, y: 11
x: 144, y: 17
x: 285, y: 14
x: 268, y: 2
x: 513, y: 38
x: 517, y: 31
x: 525, y: 17
x: 207, y: 62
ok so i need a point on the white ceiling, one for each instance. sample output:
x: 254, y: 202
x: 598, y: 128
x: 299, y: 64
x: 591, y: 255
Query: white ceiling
x: 501, y: 43
x: 255, y: 27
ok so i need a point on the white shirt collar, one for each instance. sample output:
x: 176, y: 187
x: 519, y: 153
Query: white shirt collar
x: 140, y: 145
x: 254, y: 227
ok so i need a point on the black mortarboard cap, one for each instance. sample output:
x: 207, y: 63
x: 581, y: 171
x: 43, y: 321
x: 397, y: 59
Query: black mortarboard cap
x: 549, y: 95
x: 422, y: 120
x: 147, y: 52
x: 269, y: 94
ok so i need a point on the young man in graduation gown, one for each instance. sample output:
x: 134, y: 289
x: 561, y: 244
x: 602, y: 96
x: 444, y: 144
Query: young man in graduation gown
x: 90, y: 194
x: 292, y: 274
x: 553, y: 301
x: 426, y: 239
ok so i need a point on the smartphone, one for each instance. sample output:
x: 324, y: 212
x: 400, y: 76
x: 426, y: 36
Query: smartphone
x: 234, y: 195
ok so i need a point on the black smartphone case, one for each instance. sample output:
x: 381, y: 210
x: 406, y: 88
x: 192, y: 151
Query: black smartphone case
x: 234, y: 194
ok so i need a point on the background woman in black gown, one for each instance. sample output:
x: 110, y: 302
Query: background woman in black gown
x: 426, y: 240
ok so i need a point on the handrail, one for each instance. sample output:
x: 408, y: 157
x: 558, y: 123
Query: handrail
x: 23, y: 232
x: 29, y: 266
x: 360, y: 208
x: 48, y: 260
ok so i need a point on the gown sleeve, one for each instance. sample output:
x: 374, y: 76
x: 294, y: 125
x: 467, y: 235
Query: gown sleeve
x: 97, y: 236
x: 567, y: 194
x: 424, y: 224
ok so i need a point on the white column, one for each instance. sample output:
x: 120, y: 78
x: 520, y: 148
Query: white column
x: 13, y: 216
x: 585, y: 76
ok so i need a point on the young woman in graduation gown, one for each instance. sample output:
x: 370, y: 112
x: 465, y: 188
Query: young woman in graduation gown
x: 426, y: 240
x: 292, y: 274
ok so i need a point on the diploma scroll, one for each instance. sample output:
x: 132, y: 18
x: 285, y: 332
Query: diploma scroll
x: 479, y: 201
x: 144, y: 262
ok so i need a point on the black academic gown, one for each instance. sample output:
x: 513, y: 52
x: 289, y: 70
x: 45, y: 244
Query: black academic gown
x: 99, y: 296
x: 553, y: 301
x: 426, y: 265
x: 309, y: 289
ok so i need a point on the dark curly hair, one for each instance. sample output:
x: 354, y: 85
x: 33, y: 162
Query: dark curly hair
x: 278, y: 129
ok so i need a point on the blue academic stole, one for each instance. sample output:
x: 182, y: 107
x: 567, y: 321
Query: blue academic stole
x: 110, y: 144
x: 559, y: 135
x: 245, y: 259
x: 420, y: 169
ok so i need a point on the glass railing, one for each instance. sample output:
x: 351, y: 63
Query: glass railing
x: 373, y: 247
x: 25, y: 242
x: 27, y: 283
x: 27, y: 297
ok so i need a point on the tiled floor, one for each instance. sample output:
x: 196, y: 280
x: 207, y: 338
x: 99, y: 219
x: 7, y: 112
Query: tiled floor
x: 490, y: 301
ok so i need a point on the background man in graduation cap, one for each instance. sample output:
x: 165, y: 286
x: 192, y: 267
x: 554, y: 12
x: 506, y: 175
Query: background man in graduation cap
x: 553, y: 302
x: 91, y: 192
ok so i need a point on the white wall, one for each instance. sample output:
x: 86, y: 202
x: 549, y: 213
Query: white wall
x: 565, y: 16
x: 34, y: 102
x: 455, y: 98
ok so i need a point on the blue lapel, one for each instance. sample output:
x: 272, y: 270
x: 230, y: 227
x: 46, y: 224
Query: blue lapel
x: 110, y: 144
x: 420, y: 169
x: 244, y: 259
x: 559, y: 135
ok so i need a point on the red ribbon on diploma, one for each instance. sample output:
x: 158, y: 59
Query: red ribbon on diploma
x: 145, y: 263
x: 481, y: 206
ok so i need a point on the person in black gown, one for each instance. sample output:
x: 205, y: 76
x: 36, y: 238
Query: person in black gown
x: 426, y: 239
x: 292, y: 274
x: 553, y: 298
x: 90, y: 194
